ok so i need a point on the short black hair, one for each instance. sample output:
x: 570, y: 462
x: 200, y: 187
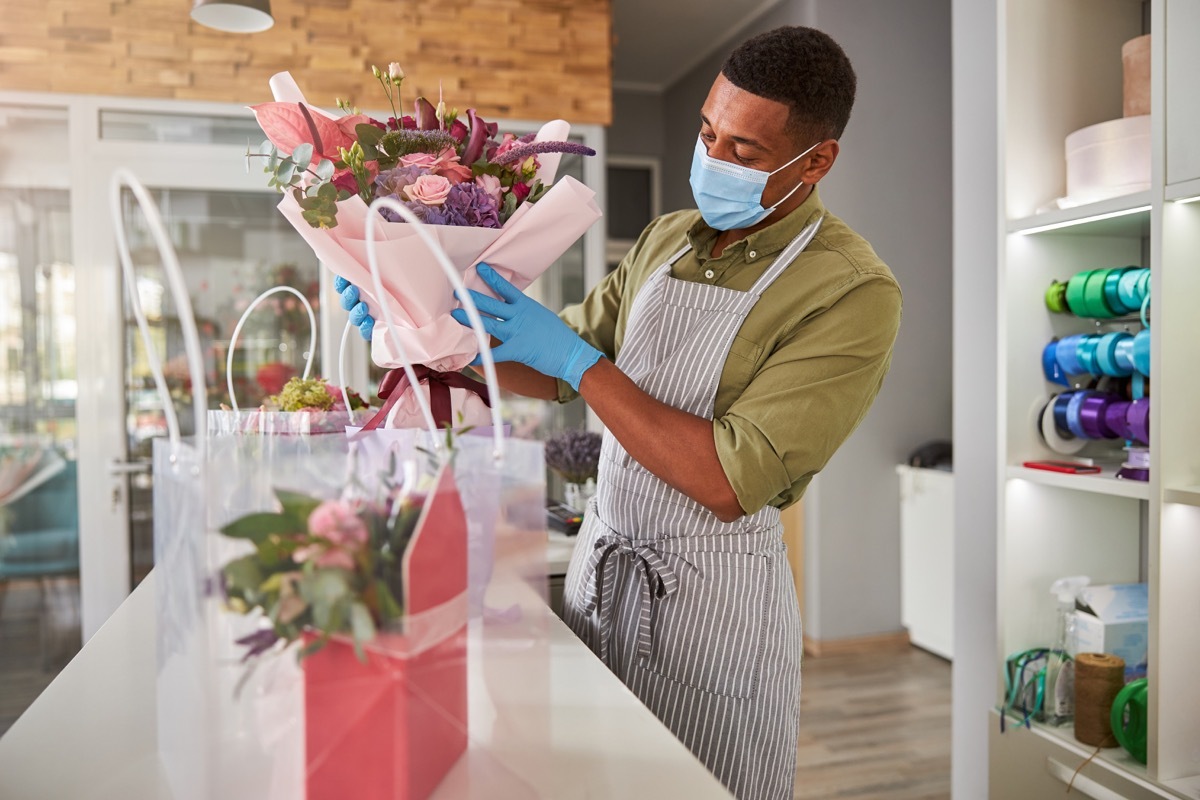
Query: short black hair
x: 802, y: 68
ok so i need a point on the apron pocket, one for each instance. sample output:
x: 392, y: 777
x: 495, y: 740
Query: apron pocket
x: 709, y: 634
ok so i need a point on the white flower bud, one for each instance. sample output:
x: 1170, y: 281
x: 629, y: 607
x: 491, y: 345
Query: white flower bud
x: 394, y: 71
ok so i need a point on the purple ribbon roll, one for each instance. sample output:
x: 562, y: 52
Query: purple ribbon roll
x: 1091, y: 416
x: 1138, y: 417
x: 1137, y: 468
x: 1115, y: 419
x: 1074, y: 419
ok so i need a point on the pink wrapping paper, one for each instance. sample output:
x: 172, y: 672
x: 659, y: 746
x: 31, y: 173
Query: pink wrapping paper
x: 417, y: 291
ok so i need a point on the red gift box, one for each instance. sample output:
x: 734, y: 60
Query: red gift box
x: 393, y: 727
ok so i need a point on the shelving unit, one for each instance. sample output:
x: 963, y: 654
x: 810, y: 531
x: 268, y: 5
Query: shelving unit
x: 1058, y: 69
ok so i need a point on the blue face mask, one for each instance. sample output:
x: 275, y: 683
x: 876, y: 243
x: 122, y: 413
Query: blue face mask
x: 728, y: 195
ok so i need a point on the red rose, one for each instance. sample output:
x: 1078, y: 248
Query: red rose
x: 521, y: 190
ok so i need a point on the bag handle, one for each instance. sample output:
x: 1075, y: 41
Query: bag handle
x: 121, y: 178
x: 237, y: 330
x: 481, y: 337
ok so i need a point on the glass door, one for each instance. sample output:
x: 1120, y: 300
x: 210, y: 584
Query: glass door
x: 232, y: 246
x: 39, y: 509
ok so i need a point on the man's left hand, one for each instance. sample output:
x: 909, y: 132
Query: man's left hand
x: 530, y: 333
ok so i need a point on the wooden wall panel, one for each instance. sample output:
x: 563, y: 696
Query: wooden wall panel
x: 518, y: 59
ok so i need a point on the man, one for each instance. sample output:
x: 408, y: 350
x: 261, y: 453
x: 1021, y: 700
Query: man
x: 729, y: 355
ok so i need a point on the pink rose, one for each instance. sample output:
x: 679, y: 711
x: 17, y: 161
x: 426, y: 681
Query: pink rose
x: 491, y: 185
x: 429, y: 189
x: 338, y: 523
x: 423, y: 160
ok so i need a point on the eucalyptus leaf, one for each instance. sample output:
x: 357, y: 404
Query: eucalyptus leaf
x: 389, y: 609
x: 324, y: 170
x: 362, y: 627
x: 302, y: 155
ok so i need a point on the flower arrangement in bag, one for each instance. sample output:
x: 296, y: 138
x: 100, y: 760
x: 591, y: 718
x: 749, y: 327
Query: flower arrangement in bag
x: 574, y: 454
x: 446, y: 170
x: 312, y: 394
x: 328, y: 567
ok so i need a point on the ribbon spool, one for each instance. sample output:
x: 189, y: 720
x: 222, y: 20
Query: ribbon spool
x: 1132, y: 288
x: 1112, y: 295
x: 1099, y: 678
x: 1050, y: 367
x: 1093, y: 295
x: 1092, y: 416
x: 1137, y: 468
x: 1056, y: 297
x: 1074, y: 413
x: 1107, y: 358
x: 1066, y: 352
x: 1129, y: 718
x: 1116, y: 419
x: 1052, y: 434
x: 1141, y: 342
x: 1075, y: 293
x: 1138, y: 419
x: 1086, y: 354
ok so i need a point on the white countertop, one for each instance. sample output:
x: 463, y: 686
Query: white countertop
x: 555, y: 717
x: 559, y: 547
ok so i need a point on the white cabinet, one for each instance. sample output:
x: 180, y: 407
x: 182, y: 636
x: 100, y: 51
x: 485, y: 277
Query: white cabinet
x: 1056, y: 66
x: 927, y: 557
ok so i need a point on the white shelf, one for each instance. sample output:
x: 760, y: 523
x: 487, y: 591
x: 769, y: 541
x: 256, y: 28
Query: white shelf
x: 1185, y: 787
x: 1128, y: 215
x: 1120, y: 761
x: 1188, y: 495
x: 1185, y: 190
x: 1115, y: 758
x: 1105, y: 482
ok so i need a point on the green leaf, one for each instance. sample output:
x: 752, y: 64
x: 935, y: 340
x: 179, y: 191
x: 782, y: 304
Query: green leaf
x: 389, y: 609
x: 368, y: 139
x: 302, y: 155
x: 324, y: 170
x: 362, y: 627
x: 297, y: 506
x: 257, y: 527
x: 243, y: 575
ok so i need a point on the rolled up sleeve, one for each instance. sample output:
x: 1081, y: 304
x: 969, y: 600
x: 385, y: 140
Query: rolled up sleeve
x: 809, y: 395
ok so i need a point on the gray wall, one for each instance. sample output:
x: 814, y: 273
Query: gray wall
x: 892, y: 183
x: 637, y: 128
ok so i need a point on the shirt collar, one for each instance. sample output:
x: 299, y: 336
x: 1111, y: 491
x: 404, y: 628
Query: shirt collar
x: 767, y: 242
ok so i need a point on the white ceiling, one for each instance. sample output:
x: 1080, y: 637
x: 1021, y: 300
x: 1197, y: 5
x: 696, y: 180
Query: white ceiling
x: 660, y: 41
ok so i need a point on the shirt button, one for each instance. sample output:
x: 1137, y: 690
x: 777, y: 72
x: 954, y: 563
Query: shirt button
x: 708, y: 273
x: 753, y: 254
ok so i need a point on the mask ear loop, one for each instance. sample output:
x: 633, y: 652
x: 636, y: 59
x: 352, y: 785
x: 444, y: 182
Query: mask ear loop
x: 783, y: 199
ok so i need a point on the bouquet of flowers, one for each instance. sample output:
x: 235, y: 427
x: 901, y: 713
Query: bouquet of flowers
x: 301, y: 405
x: 486, y: 196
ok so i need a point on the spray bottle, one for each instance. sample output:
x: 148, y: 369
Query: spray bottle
x: 1059, y: 704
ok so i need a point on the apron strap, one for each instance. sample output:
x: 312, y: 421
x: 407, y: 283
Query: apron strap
x: 794, y: 248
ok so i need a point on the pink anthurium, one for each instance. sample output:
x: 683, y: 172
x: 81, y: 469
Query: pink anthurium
x: 289, y: 125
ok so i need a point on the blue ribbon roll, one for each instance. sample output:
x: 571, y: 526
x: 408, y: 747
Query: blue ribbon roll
x: 1106, y: 355
x: 1067, y: 353
x: 1060, y: 410
x: 1050, y: 367
x: 1074, y: 407
x: 1086, y: 353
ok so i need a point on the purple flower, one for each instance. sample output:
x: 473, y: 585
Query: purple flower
x: 258, y: 642
x: 394, y: 181
x: 574, y: 454
x: 521, y: 152
x: 469, y: 204
x: 430, y: 215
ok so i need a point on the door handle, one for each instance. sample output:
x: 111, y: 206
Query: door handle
x: 139, y: 466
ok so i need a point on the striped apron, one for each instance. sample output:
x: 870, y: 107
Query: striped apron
x: 697, y: 616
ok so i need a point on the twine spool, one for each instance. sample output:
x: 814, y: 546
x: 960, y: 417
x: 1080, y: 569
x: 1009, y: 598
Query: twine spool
x: 1098, y: 679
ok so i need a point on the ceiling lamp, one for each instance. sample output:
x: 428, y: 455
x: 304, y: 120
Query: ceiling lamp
x: 234, y: 16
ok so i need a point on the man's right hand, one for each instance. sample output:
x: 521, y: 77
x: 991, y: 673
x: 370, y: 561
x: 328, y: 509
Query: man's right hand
x: 360, y: 314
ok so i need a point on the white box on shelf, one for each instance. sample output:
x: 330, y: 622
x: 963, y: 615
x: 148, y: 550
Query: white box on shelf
x: 1114, y: 619
x: 1108, y: 159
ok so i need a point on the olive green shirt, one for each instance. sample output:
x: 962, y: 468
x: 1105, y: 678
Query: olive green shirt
x: 808, y: 360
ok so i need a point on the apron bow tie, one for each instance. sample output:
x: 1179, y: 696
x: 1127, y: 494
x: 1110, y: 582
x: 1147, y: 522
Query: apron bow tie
x: 660, y: 581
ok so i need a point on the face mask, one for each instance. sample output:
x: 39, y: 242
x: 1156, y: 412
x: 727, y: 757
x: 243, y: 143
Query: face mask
x: 729, y: 196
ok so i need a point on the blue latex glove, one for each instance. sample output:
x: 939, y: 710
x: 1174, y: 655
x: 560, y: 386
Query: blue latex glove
x: 531, y: 333
x: 360, y: 315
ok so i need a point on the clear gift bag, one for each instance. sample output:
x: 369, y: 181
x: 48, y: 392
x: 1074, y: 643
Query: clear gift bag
x: 401, y: 702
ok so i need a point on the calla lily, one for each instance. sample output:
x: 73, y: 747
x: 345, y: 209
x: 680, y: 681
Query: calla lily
x: 426, y: 115
x: 478, y: 138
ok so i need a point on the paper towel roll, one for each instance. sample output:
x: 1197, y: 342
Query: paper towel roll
x: 1135, y: 59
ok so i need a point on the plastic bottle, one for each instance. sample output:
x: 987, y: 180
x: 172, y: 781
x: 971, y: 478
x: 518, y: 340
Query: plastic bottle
x: 1058, y: 706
